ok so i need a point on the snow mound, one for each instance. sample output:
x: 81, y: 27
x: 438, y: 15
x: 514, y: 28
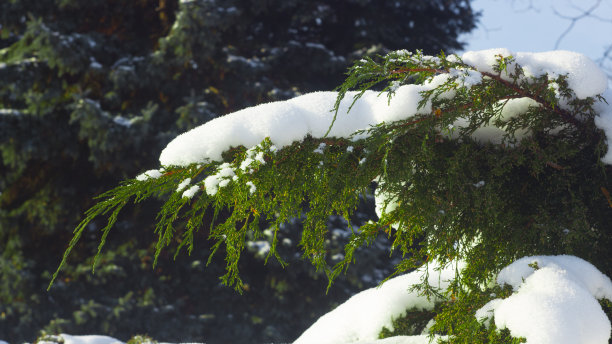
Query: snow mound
x: 555, y: 301
x: 583, y: 75
x: 287, y: 121
x: 92, y: 339
x: 87, y: 339
x: 362, y: 317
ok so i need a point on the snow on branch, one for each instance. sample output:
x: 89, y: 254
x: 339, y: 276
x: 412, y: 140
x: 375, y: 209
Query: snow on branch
x: 288, y: 121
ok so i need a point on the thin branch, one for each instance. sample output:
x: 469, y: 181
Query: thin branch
x: 529, y: 7
x: 573, y: 20
x: 564, y: 114
x: 417, y: 70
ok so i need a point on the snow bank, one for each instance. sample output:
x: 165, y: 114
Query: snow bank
x: 555, y: 301
x: 287, y: 121
x: 68, y: 339
x: 362, y: 317
x: 91, y: 339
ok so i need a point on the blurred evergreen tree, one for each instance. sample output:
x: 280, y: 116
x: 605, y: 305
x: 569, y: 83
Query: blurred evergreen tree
x: 91, y: 91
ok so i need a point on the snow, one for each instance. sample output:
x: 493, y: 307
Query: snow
x: 495, y: 134
x: 86, y: 339
x: 150, y: 174
x: 362, y: 317
x: 467, y: 77
x: 253, y: 157
x: 251, y: 62
x: 9, y: 112
x: 287, y: 121
x: 213, y: 182
x: 189, y: 193
x: 554, y: 301
x: 252, y: 187
x: 315, y: 45
x: 68, y: 339
x: 384, y: 203
x: 260, y: 247
x: 126, y: 122
x: 183, y: 184
x: 479, y: 184
x: 95, y: 64
x: 321, y: 148
x: 584, y: 76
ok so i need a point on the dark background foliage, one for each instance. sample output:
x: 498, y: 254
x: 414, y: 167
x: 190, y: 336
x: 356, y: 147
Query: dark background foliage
x: 91, y: 91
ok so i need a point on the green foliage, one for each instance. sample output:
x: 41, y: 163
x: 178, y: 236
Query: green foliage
x: 533, y: 189
x: 606, y: 305
x: 412, y: 323
x: 50, y: 339
x: 91, y: 91
x: 141, y: 340
x: 460, y: 199
x: 248, y: 205
x: 456, y: 318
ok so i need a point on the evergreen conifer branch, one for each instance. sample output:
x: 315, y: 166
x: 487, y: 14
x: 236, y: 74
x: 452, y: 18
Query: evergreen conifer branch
x: 89, y: 92
x: 451, y: 195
